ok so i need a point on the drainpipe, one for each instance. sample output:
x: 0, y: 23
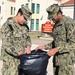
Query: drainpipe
x: 74, y: 10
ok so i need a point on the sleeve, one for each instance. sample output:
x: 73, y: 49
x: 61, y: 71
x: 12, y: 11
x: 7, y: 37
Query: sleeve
x: 7, y: 40
x: 28, y: 39
x: 70, y: 38
x: 50, y: 45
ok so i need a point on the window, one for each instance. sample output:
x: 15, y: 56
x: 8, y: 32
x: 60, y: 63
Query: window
x: 37, y: 24
x: 11, y: 10
x: 33, y: 7
x: 38, y: 8
x: 14, y: 10
x: 27, y: 5
x: 0, y: 9
x: 28, y: 0
x: 32, y: 24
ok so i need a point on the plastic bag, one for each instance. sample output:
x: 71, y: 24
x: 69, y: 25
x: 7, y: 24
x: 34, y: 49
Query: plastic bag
x: 34, y: 63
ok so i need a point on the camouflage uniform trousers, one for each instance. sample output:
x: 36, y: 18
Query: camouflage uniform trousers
x: 10, y: 67
x: 67, y: 69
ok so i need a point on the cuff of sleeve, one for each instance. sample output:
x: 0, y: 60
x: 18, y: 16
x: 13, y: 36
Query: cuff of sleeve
x: 62, y: 50
x: 47, y: 47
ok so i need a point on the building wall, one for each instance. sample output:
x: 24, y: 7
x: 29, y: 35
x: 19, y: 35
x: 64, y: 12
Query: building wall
x: 42, y: 16
x: 6, y: 10
x: 68, y: 11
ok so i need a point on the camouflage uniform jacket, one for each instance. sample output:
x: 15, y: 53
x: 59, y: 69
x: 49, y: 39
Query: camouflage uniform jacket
x: 15, y: 38
x: 64, y: 40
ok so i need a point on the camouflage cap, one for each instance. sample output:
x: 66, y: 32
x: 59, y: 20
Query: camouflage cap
x: 26, y: 12
x: 52, y: 11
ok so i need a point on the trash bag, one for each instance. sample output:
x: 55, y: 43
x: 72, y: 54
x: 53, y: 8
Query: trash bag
x: 34, y: 63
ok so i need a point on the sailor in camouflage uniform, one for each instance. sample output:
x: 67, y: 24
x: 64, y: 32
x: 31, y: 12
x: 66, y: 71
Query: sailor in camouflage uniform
x: 15, y: 41
x: 63, y: 45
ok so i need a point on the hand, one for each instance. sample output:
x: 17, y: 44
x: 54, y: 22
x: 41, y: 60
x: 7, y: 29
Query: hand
x: 52, y: 52
x: 20, y: 53
x: 40, y: 47
x: 27, y: 50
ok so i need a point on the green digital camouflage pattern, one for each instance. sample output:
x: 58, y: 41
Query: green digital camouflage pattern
x: 64, y: 40
x: 65, y: 69
x: 15, y: 38
x: 52, y: 11
x: 26, y: 12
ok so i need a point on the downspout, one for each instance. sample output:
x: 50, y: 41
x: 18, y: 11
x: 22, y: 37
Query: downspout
x: 74, y: 10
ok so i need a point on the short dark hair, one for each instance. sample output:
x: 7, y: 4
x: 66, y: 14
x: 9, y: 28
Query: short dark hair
x: 20, y: 11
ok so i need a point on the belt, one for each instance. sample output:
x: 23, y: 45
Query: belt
x: 17, y: 57
x: 62, y: 53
